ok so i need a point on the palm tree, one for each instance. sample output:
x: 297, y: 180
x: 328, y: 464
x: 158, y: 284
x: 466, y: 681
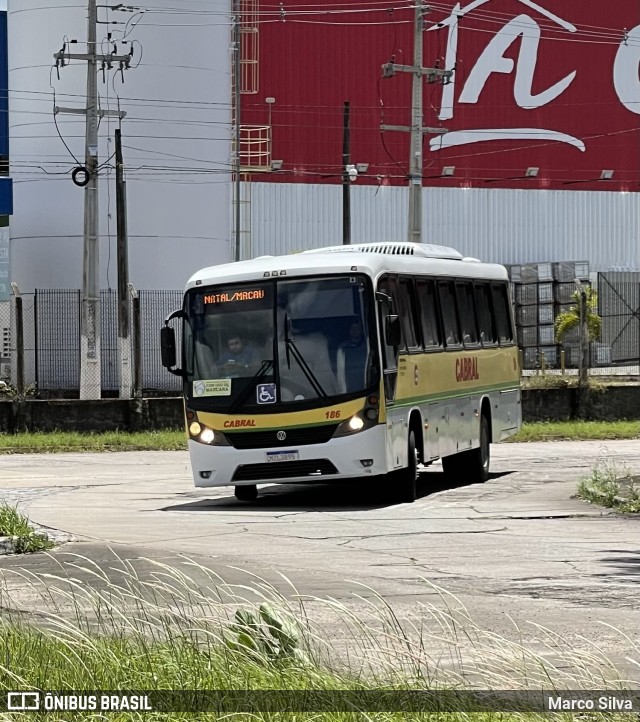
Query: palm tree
x: 573, y: 317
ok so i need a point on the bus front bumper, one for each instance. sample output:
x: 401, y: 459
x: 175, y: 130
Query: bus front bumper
x: 360, y: 455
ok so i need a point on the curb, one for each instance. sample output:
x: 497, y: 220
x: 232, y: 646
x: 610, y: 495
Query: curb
x: 9, y: 544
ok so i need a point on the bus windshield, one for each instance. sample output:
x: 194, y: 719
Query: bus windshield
x: 260, y: 345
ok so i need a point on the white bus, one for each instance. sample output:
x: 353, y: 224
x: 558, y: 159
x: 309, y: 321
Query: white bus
x: 348, y: 362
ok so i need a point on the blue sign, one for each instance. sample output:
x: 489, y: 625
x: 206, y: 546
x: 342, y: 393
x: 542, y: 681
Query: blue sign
x: 6, y: 196
x: 266, y: 393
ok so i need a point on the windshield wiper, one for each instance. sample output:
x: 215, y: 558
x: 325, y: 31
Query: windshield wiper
x: 290, y: 346
x: 243, y: 395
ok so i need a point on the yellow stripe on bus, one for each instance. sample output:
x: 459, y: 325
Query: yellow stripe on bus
x: 449, y: 374
x: 309, y: 417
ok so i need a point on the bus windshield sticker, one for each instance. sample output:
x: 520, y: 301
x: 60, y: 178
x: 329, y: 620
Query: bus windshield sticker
x: 266, y: 393
x: 212, y: 387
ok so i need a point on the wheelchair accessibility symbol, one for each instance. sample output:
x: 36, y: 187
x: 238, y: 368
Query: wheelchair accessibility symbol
x: 266, y: 393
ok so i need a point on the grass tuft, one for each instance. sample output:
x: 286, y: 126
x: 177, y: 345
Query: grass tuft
x: 16, y: 525
x: 611, y: 487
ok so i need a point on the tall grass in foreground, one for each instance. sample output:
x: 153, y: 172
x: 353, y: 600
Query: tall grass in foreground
x: 184, y: 628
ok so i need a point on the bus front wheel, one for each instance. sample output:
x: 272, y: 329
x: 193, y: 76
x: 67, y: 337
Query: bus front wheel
x: 246, y: 493
x: 407, y: 478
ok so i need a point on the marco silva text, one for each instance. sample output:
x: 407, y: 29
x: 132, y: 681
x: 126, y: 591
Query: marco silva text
x: 603, y: 703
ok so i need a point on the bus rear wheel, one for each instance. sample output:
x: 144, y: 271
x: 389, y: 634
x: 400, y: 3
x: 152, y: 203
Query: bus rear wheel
x: 407, y: 478
x: 248, y: 492
x: 471, y: 466
x: 480, y: 458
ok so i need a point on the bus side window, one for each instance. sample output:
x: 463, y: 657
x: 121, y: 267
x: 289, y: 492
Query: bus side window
x: 408, y: 314
x: 429, y: 313
x: 447, y: 296
x: 503, y: 313
x: 464, y: 293
x: 484, y: 308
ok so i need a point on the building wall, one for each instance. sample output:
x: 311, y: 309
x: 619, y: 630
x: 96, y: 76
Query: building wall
x: 176, y: 139
x: 549, y: 86
x: 501, y: 225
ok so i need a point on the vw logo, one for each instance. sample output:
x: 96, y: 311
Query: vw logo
x: 281, y: 435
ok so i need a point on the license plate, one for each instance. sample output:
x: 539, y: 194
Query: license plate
x: 282, y: 456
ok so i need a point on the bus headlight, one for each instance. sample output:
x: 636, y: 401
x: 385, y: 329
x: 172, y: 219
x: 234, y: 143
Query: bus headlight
x: 207, y: 436
x: 204, y: 435
x: 356, y: 423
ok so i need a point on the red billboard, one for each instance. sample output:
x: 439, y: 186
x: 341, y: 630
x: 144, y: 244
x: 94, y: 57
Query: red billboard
x: 543, y: 94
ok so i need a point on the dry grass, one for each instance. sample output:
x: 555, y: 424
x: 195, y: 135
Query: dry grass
x: 184, y: 628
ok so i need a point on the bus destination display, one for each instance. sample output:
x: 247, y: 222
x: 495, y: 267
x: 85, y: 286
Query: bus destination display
x: 232, y: 296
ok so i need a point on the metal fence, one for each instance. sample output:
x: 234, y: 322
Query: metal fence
x: 619, y: 308
x: 155, y: 306
x: 46, y: 326
x: 52, y: 319
x: 42, y: 345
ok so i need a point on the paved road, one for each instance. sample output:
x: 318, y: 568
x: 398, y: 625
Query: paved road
x: 517, y: 552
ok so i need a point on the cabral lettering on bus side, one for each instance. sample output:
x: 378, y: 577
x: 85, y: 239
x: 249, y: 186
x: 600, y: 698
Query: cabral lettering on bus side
x: 467, y: 369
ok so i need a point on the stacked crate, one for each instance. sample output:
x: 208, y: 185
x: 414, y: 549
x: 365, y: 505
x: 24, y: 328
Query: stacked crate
x: 540, y: 292
x: 534, y: 313
x: 564, y: 279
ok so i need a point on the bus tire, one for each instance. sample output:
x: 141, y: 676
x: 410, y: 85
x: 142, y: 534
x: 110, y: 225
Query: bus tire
x: 480, y: 458
x: 249, y: 492
x: 407, y: 478
x: 470, y: 466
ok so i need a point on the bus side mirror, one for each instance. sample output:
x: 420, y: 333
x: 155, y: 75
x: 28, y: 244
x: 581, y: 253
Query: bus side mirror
x: 168, y: 347
x: 392, y: 330
x: 168, y: 343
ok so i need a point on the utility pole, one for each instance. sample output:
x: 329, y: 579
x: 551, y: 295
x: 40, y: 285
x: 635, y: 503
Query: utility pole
x: 124, y: 341
x: 346, y: 180
x: 90, y: 367
x: 416, y: 129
